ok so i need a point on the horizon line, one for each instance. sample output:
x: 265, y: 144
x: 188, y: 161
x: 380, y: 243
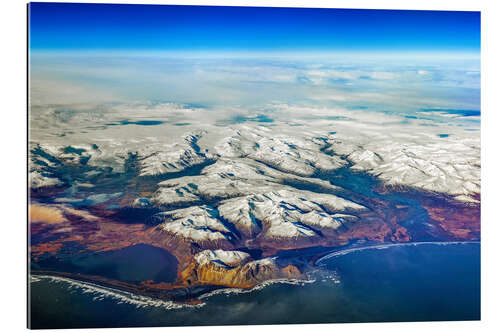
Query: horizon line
x: 256, y: 53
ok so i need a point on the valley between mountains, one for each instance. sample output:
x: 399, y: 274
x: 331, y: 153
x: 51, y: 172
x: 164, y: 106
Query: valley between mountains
x: 174, y: 211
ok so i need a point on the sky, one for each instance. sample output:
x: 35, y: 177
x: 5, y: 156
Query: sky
x: 76, y: 27
x: 254, y: 58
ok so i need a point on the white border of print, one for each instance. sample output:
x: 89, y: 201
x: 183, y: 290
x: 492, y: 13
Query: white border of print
x: 13, y: 172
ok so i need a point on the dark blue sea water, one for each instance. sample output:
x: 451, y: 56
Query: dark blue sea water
x: 132, y: 264
x: 405, y: 283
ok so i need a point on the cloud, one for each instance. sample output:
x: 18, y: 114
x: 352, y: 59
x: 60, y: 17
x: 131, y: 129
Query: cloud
x: 383, y: 75
x: 255, y: 82
x: 55, y: 91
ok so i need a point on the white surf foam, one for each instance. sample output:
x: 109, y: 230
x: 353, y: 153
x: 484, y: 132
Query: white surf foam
x: 385, y: 246
x: 260, y: 286
x: 122, y: 297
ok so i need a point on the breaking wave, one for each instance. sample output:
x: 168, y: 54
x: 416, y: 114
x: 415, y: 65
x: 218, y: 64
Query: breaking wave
x: 101, y: 292
x: 260, y: 286
x: 124, y: 297
x: 385, y: 246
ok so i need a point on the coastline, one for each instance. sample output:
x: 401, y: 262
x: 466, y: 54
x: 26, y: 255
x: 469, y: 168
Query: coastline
x: 141, y: 299
x: 179, y: 297
x: 337, y: 253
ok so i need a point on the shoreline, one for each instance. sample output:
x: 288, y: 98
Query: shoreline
x: 139, y: 299
x: 180, y: 297
x: 337, y: 253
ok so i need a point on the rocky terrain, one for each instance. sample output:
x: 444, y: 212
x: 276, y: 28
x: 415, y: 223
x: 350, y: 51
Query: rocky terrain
x: 228, y: 200
x: 235, y: 268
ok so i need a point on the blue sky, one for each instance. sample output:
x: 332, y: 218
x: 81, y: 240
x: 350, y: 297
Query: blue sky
x: 73, y: 27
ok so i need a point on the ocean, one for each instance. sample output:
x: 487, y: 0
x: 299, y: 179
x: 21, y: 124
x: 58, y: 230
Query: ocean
x: 424, y: 282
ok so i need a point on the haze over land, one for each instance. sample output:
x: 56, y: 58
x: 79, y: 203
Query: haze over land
x: 425, y: 103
